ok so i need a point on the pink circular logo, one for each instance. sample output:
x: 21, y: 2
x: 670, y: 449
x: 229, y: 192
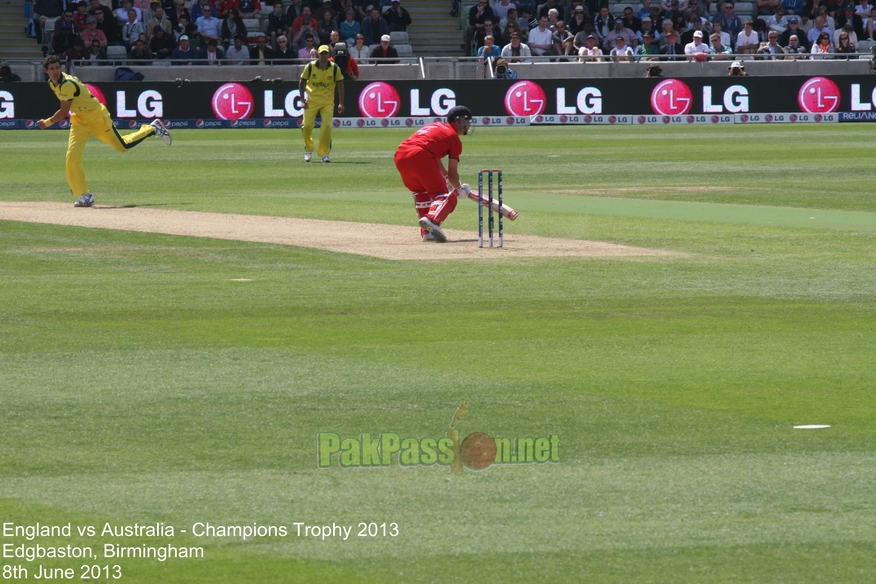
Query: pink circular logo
x: 691, y: 119
x: 768, y: 117
x: 97, y: 93
x: 379, y: 100
x: 232, y: 101
x: 793, y: 117
x: 715, y: 119
x: 360, y: 123
x: 588, y: 119
x: 744, y: 118
x: 612, y: 119
x: 641, y: 119
x: 336, y: 123
x: 819, y: 95
x: 666, y: 119
x: 409, y: 122
x: 486, y: 121
x: 671, y: 98
x: 509, y: 121
x: 525, y: 98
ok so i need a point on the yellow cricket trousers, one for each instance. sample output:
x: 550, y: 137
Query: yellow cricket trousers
x: 100, y: 124
x: 326, y: 112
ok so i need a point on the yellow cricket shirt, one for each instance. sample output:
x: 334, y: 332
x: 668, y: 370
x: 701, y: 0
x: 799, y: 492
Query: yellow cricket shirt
x: 321, y: 83
x: 70, y: 88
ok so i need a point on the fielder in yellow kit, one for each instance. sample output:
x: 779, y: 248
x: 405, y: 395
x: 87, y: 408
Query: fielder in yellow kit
x: 88, y: 117
x: 319, y: 79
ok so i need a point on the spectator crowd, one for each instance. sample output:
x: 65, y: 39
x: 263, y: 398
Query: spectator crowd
x: 587, y: 30
x: 214, y: 32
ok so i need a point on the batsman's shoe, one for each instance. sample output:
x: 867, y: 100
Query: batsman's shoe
x: 428, y: 236
x: 161, y: 131
x: 308, y: 156
x: 434, y: 229
x: 326, y: 159
x: 86, y: 200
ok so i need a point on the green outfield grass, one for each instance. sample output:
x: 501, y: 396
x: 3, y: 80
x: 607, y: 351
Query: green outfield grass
x: 139, y: 383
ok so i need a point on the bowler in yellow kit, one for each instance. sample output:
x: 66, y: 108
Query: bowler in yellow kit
x: 319, y: 79
x: 88, y: 117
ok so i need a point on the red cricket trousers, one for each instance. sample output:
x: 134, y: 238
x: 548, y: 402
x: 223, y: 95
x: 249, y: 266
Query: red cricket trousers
x: 422, y: 176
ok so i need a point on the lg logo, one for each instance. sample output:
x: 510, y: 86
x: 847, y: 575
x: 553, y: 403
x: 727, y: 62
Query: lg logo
x: 232, y: 101
x: 379, y: 100
x: 149, y: 105
x: 671, y: 98
x: 588, y: 101
x: 525, y: 99
x: 819, y: 95
x: 382, y: 100
x: 7, y: 105
x: 735, y: 100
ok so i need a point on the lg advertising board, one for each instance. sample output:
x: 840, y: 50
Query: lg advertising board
x: 500, y: 102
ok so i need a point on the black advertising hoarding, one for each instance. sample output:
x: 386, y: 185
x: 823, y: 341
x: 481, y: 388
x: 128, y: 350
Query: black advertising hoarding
x: 265, y: 104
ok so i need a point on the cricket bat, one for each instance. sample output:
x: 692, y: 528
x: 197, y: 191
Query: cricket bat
x: 506, y: 210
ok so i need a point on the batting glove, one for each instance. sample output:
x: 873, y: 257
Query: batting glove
x: 464, y: 189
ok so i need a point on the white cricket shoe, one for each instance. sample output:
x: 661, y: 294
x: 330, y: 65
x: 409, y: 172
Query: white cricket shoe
x: 434, y: 229
x: 161, y: 131
x: 86, y: 200
x: 326, y: 159
x: 308, y: 156
x: 428, y: 236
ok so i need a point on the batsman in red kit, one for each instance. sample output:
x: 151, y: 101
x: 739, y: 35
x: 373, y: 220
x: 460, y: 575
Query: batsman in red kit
x: 419, y: 162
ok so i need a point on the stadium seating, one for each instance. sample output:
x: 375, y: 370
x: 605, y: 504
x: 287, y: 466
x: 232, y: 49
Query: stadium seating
x: 865, y: 47
x: 253, y: 29
x: 116, y: 53
x: 399, y: 37
x: 49, y: 31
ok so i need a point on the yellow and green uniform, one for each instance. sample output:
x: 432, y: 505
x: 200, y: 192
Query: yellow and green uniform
x: 89, y: 117
x: 320, y: 100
